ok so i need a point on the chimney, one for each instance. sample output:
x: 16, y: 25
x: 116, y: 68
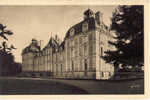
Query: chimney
x: 99, y: 17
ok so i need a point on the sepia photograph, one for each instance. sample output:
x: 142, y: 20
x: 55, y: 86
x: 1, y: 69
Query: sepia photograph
x: 72, y: 50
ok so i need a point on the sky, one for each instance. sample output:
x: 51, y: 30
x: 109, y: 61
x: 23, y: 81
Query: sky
x: 41, y: 22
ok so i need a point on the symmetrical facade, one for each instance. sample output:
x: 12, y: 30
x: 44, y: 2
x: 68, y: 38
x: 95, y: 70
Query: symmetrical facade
x: 78, y: 56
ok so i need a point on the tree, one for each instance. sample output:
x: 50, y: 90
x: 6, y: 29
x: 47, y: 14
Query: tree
x: 6, y: 57
x: 4, y: 32
x: 128, y: 25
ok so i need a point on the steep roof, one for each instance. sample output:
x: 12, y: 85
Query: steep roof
x: 62, y: 45
x: 52, y: 43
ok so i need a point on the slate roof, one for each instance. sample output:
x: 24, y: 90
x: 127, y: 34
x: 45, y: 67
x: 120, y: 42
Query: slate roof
x: 78, y: 27
x: 52, y: 43
x: 28, y: 49
x: 62, y: 45
x: 90, y: 20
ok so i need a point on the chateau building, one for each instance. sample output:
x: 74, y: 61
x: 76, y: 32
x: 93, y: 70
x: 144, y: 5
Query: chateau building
x: 78, y: 56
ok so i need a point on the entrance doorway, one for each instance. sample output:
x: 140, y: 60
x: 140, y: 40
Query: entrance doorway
x: 85, y: 67
x: 72, y: 66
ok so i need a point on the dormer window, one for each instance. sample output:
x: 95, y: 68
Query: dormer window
x: 72, y: 32
x: 84, y: 27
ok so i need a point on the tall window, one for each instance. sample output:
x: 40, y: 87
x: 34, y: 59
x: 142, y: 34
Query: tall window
x: 90, y: 37
x: 72, y: 52
x: 101, y: 51
x: 61, y: 68
x: 72, y: 66
x: 85, y: 49
x: 85, y: 65
x: 84, y: 27
x: 102, y: 74
x: 80, y: 67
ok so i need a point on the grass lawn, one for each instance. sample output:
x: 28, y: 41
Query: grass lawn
x: 61, y: 86
x: 17, y: 86
x: 134, y: 86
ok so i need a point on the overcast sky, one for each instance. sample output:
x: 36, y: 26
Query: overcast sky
x: 39, y: 22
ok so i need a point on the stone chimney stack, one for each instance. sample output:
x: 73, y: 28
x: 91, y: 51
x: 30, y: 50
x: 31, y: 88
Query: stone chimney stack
x: 99, y: 17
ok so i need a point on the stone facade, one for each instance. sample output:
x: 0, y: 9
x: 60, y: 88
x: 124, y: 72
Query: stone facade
x: 78, y: 56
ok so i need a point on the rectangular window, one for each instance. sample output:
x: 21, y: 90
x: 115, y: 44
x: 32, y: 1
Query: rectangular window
x: 109, y: 74
x: 90, y: 37
x: 80, y: 51
x: 101, y: 51
x: 84, y: 27
x: 102, y: 74
x: 80, y: 40
x: 80, y: 67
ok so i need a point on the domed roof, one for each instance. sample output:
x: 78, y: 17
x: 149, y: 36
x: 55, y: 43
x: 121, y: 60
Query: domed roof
x: 33, y: 47
x: 78, y: 27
